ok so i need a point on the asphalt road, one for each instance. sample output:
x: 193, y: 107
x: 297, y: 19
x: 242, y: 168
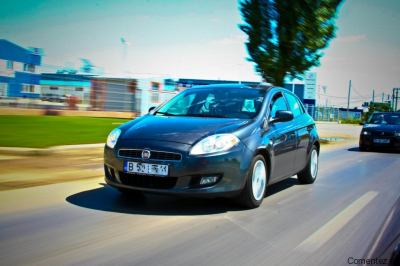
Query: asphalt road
x: 85, y: 222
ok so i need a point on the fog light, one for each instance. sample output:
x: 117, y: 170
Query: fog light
x: 112, y: 172
x: 206, y: 180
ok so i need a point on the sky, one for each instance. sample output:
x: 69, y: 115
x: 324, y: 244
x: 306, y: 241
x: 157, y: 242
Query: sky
x: 200, y: 39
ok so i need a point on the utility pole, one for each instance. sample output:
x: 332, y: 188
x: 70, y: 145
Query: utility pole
x: 392, y: 104
x: 397, y: 96
x: 348, y: 101
x: 373, y: 96
x: 383, y: 97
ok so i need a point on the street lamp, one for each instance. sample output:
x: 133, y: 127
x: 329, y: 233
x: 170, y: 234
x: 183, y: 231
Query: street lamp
x: 125, y: 43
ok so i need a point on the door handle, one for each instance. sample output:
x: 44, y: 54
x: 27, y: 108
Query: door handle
x: 293, y: 135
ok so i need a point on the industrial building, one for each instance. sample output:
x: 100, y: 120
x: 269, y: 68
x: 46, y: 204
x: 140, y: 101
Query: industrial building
x: 19, y: 71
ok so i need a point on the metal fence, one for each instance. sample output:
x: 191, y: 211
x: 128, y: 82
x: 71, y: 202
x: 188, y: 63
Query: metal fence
x: 139, y: 102
x: 116, y: 100
x: 120, y: 96
x: 323, y: 113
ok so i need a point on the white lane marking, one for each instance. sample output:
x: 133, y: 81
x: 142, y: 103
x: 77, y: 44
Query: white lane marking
x: 326, y: 232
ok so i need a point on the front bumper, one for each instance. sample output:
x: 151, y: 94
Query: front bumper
x: 184, y: 176
x: 367, y: 141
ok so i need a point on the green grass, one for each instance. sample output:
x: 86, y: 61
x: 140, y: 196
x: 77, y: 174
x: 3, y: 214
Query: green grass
x: 354, y: 121
x: 47, y: 131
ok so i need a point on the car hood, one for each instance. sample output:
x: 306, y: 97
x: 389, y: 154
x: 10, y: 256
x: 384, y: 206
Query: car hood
x: 382, y: 127
x: 179, y: 129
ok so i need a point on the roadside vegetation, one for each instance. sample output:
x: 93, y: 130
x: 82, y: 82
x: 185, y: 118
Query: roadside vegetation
x: 354, y: 121
x: 286, y: 38
x: 47, y: 131
x: 375, y: 107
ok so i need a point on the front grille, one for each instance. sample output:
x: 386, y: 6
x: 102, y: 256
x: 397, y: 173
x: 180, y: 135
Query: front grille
x: 385, y: 134
x: 154, y: 155
x: 130, y: 153
x: 145, y: 181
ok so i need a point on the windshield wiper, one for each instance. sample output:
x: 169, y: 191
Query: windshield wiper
x: 164, y: 113
x: 204, y: 115
x: 195, y: 115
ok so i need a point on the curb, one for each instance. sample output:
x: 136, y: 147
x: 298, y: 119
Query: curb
x: 45, y: 151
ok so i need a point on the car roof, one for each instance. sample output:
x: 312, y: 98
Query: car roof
x: 234, y: 86
x: 383, y: 112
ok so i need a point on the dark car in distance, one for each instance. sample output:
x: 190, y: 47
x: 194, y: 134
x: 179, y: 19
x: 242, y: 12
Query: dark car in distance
x: 215, y: 141
x: 51, y: 97
x: 381, y: 131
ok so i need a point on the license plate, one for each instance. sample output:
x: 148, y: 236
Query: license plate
x: 382, y: 140
x: 146, y: 168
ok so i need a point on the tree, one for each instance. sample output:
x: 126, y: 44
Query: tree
x: 285, y: 37
x: 376, y: 107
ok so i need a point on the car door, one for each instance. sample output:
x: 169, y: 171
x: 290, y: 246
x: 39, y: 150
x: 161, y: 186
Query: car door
x: 283, y: 137
x: 301, y: 120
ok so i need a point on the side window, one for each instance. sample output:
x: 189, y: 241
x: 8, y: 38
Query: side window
x: 302, y: 109
x: 294, y: 105
x: 277, y: 104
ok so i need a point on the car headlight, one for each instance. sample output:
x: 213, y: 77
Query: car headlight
x: 366, y: 133
x: 215, y: 143
x: 113, y: 137
x: 397, y: 134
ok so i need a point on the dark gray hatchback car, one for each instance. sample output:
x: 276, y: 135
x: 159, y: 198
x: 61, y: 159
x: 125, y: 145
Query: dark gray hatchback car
x: 215, y: 141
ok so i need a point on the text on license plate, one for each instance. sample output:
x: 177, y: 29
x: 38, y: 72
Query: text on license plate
x: 382, y: 140
x: 146, y: 168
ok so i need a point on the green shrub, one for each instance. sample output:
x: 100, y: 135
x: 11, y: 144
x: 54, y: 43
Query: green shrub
x: 383, y: 107
x: 350, y: 121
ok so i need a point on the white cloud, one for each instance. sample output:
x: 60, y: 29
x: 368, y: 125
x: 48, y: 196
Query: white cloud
x: 352, y: 38
x: 233, y: 39
x: 216, y: 20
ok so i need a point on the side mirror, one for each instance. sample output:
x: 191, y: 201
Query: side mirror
x: 282, y: 116
x: 361, y: 123
x: 151, y: 108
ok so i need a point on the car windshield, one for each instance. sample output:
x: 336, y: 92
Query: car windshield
x: 223, y: 103
x: 393, y: 119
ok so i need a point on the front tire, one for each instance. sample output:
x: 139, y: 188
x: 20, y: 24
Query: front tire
x: 256, y: 182
x: 309, y: 174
